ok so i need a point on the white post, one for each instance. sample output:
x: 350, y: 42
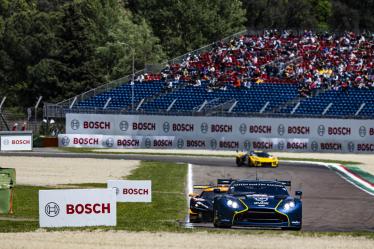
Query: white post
x: 2, y: 103
x: 36, y: 107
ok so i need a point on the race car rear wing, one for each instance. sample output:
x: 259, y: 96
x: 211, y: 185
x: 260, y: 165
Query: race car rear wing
x: 220, y: 182
x: 285, y: 183
x: 202, y: 186
x: 225, y: 181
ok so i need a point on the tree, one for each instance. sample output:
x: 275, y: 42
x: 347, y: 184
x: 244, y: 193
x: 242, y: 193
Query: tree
x: 353, y: 15
x: 55, y: 48
x: 189, y: 24
x: 288, y: 14
x: 123, y: 38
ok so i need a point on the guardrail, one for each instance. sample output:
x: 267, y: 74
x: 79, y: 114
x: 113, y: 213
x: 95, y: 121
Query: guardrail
x: 205, y: 113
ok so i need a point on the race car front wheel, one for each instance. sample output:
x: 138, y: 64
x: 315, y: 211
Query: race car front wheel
x: 217, y: 223
x: 239, y: 162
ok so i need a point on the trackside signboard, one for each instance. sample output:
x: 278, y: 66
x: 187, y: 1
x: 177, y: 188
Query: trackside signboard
x: 218, y: 133
x: 77, y: 208
x: 16, y: 143
x: 132, y: 190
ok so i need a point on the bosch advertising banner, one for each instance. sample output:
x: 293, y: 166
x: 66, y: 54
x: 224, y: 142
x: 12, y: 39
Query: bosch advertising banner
x: 77, y: 207
x: 16, y: 143
x: 218, y: 133
x: 132, y: 190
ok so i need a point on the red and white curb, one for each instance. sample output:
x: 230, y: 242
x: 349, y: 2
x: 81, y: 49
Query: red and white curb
x: 346, y: 174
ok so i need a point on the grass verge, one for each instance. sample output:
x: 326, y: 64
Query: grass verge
x: 167, y: 208
x: 368, y: 177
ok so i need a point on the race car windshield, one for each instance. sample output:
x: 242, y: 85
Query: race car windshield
x: 262, y: 154
x: 207, y: 195
x: 258, y: 188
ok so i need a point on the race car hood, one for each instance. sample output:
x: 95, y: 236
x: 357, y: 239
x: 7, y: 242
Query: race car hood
x: 261, y: 201
x: 264, y: 159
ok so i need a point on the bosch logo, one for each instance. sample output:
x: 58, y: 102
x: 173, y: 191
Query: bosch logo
x: 123, y: 125
x: 117, y: 190
x: 247, y: 144
x: 180, y: 143
x: 166, y: 127
x: 65, y: 141
x: 109, y: 142
x: 6, y: 142
x: 52, y: 209
x: 280, y: 145
x: 281, y: 129
x: 213, y: 144
x: 351, y: 146
x: 362, y: 131
x: 243, y: 128
x: 204, y: 127
x: 314, y: 146
x: 321, y: 130
x: 74, y: 124
x: 148, y: 143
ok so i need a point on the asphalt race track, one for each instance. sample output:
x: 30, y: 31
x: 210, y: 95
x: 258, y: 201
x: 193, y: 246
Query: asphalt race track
x: 330, y: 203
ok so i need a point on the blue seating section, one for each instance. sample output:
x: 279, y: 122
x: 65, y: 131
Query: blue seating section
x: 344, y: 104
x: 122, y: 96
x: 249, y: 100
x: 190, y: 98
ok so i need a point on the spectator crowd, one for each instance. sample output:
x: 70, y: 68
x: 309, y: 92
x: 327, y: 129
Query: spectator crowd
x: 314, y: 61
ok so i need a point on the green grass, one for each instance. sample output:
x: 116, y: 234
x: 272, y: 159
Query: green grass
x: 367, y: 176
x: 168, y: 204
x: 167, y: 208
x: 92, y: 150
x: 25, y: 206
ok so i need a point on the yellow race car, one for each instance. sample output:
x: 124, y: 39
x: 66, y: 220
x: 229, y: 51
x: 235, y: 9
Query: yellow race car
x: 256, y: 159
x: 201, y: 205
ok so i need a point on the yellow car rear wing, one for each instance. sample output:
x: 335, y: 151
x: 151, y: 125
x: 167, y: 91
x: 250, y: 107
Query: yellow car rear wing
x: 203, y: 186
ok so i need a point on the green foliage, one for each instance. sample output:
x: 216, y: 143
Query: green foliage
x: 57, y: 48
x: 295, y: 14
x: 353, y: 15
x: 167, y: 207
x: 189, y: 24
x: 60, y: 48
x: 123, y: 39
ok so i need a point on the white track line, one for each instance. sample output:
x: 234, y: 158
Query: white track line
x: 189, y: 189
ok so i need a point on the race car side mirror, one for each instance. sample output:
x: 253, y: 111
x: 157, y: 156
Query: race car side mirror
x: 192, y: 195
x: 217, y: 190
x: 298, y: 193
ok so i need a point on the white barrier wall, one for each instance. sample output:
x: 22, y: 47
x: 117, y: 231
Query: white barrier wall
x: 218, y: 133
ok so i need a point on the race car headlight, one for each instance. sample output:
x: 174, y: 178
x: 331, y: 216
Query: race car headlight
x: 289, y: 205
x: 232, y: 204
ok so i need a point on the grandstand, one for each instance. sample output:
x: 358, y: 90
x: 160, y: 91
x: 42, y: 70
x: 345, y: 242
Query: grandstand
x: 272, y: 74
